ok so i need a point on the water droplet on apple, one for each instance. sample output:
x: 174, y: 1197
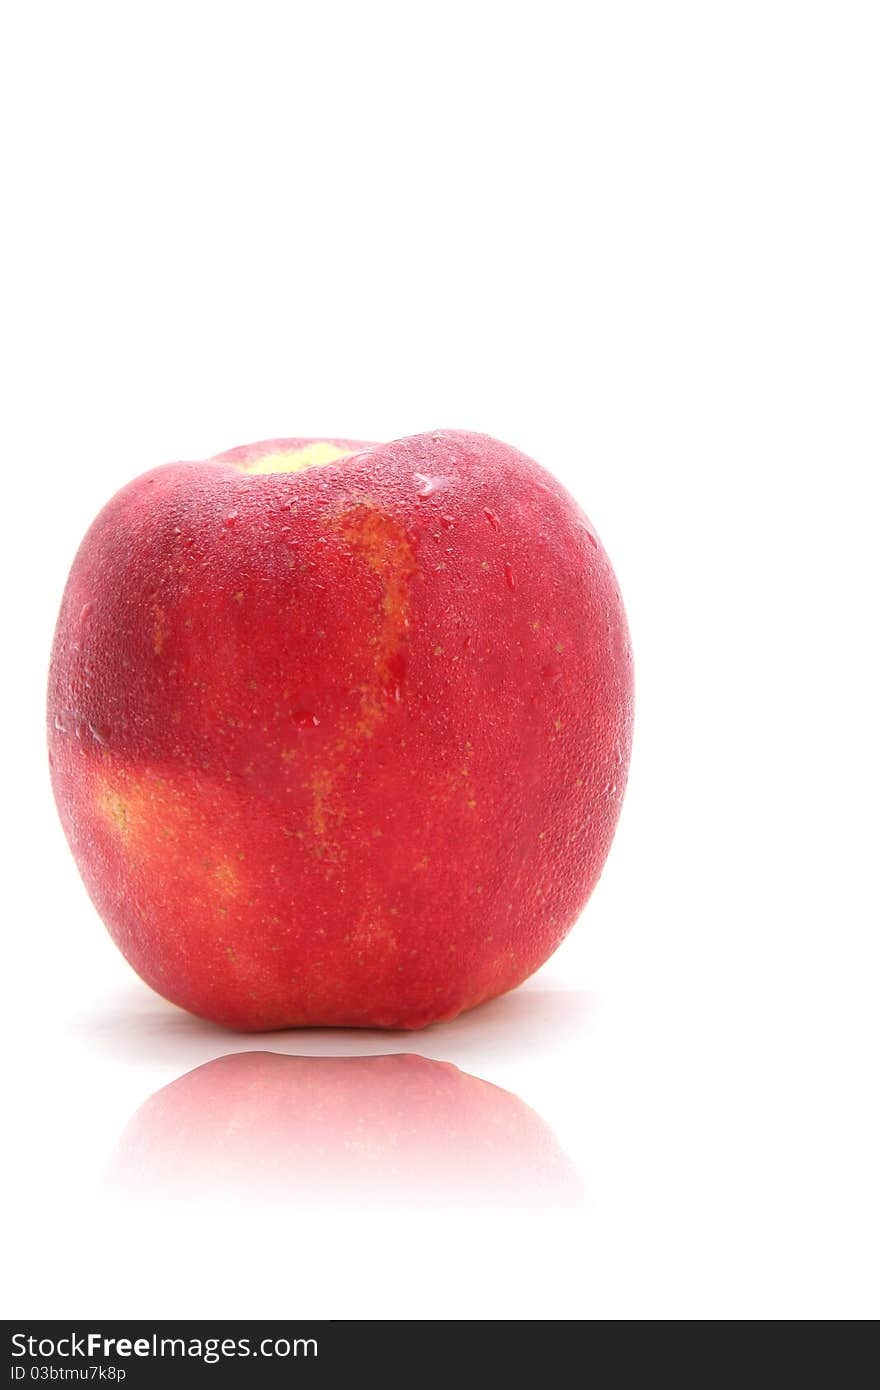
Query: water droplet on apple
x: 69, y: 721
x: 86, y: 611
x: 304, y: 719
x: 426, y: 485
x: 99, y: 733
x: 508, y: 575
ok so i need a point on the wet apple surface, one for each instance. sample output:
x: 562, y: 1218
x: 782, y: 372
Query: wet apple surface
x: 339, y: 731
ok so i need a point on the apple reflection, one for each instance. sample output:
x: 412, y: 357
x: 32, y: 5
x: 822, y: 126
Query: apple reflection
x: 385, y: 1130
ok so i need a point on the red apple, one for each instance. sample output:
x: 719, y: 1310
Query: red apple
x: 340, y: 1129
x: 339, y: 732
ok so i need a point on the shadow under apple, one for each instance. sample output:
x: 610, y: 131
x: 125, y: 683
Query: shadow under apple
x: 384, y: 1130
x: 136, y: 1025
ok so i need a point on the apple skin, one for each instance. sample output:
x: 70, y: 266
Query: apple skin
x: 345, y: 745
x: 393, y: 1129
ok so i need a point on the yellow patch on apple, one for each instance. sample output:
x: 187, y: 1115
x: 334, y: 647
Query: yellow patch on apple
x: 298, y: 460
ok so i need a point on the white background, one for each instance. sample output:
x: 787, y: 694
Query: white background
x: 640, y: 242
